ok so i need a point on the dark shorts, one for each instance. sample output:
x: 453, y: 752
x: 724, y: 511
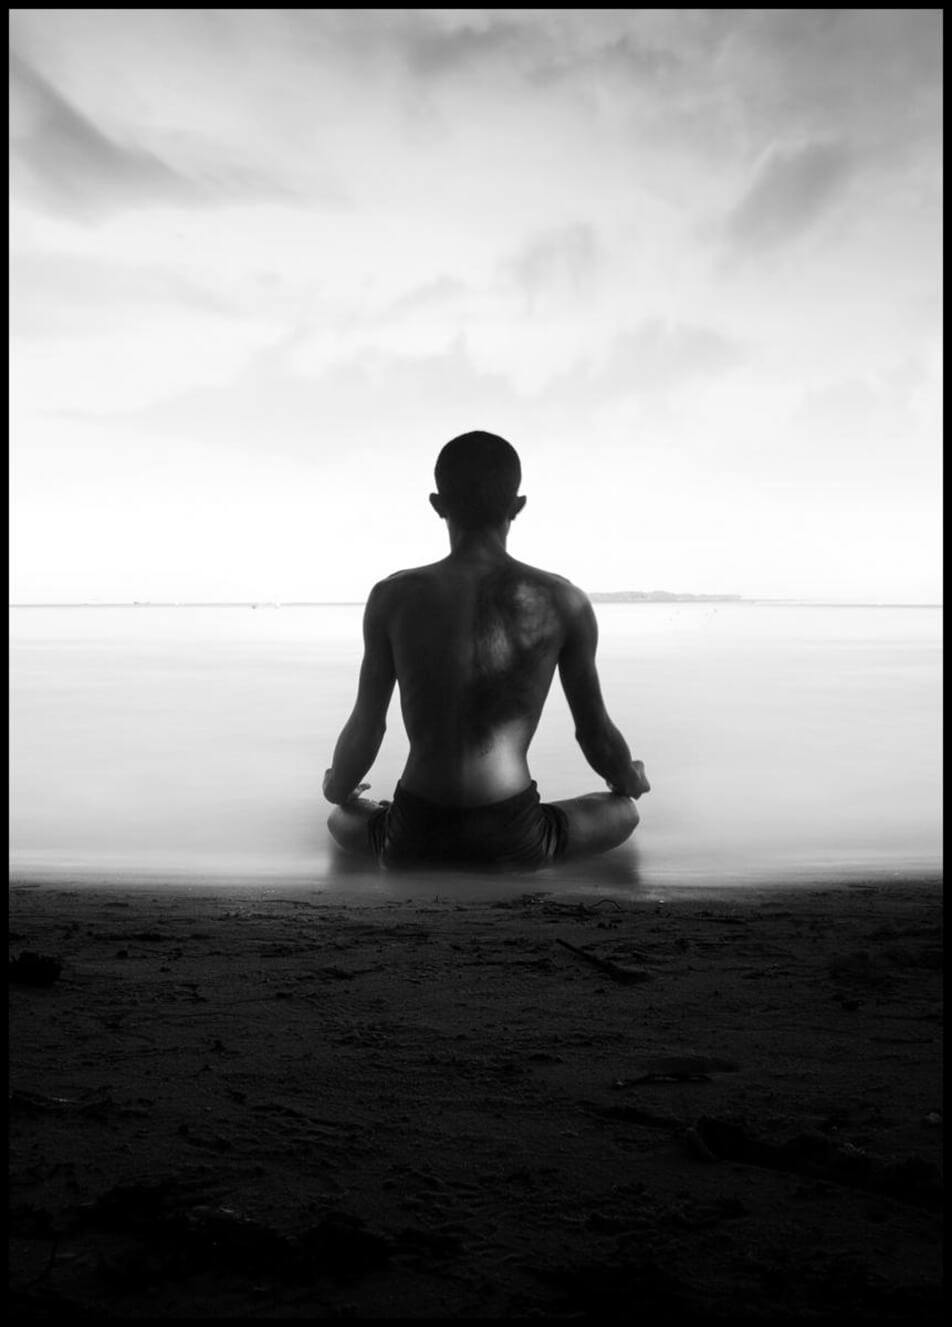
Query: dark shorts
x: 521, y: 833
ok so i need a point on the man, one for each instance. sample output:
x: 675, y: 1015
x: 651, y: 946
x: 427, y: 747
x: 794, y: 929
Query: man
x: 474, y: 641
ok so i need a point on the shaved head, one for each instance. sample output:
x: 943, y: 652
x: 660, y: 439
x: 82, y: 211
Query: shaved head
x: 478, y: 476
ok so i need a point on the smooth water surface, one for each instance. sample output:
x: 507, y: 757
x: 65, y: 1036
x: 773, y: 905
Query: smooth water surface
x: 783, y: 743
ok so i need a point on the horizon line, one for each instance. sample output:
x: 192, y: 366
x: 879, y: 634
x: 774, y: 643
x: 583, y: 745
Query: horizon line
x: 644, y: 598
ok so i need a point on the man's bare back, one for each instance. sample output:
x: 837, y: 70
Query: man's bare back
x: 475, y: 646
x: 474, y: 642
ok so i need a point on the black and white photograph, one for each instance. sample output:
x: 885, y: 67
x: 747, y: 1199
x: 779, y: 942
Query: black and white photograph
x: 475, y: 650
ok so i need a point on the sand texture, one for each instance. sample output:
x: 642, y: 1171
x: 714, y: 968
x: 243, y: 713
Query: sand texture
x: 260, y: 1104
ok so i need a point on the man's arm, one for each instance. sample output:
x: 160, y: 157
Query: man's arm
x: 363, y: 732
x: 602, y: 744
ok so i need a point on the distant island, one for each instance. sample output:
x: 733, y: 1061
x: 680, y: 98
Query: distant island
x: 660, y: 597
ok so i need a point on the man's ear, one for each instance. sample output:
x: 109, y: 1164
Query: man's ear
x: 516, y: 508
x: 436, y: 502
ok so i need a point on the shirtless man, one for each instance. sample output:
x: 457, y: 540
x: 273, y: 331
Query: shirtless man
x: 474, y: 641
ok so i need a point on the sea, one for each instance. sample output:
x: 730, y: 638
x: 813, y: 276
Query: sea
x: 184, y: 747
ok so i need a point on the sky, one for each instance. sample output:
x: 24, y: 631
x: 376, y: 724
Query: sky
x: 264, y: 263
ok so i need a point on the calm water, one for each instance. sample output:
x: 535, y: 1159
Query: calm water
x: 189, y: 744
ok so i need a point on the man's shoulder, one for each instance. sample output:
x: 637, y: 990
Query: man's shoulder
x: 405, y: 577
x: 407, y: 573
x: 563, y: 591
x: 393, y: 587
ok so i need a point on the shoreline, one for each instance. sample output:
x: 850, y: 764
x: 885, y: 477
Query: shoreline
x: 357, y: 884
x: 242, y: 1103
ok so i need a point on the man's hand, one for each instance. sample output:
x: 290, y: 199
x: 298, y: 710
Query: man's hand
x: 341, y: 801
x: 636, y: 782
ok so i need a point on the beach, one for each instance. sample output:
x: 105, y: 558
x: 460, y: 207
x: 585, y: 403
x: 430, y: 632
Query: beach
x: 270, y: 1102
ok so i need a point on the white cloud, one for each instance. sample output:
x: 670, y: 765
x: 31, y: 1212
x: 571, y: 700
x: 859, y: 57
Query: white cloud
x: 292, y: 252
x: 789, y: 192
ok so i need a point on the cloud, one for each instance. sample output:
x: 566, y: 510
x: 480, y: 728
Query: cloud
x: 429, y: 45
x: 536, y: 48
x: 791, y: 190
x: 862, y: 425
x: 442, y: 290
x: 561, y: 260
x: 624, y: 56
x: 657, y: 354
x: 69, y: 162
x: 546, y: 49
x: 433, y: 51
x: 64, y: 295
x: 359, y: 405
x: 868, y: 77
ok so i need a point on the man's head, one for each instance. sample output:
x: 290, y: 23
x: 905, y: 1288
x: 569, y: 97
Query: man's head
x: 477, y: 479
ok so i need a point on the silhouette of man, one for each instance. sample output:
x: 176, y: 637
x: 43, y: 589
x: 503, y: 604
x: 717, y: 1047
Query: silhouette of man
x: 474, y: 641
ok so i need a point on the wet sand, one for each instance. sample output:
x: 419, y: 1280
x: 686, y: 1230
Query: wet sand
x: 273, y: 1103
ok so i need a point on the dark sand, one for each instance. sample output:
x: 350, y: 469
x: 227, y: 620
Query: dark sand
x: 269, y: 1105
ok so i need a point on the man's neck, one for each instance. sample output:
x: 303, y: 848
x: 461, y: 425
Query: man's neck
x: 486, y: 545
